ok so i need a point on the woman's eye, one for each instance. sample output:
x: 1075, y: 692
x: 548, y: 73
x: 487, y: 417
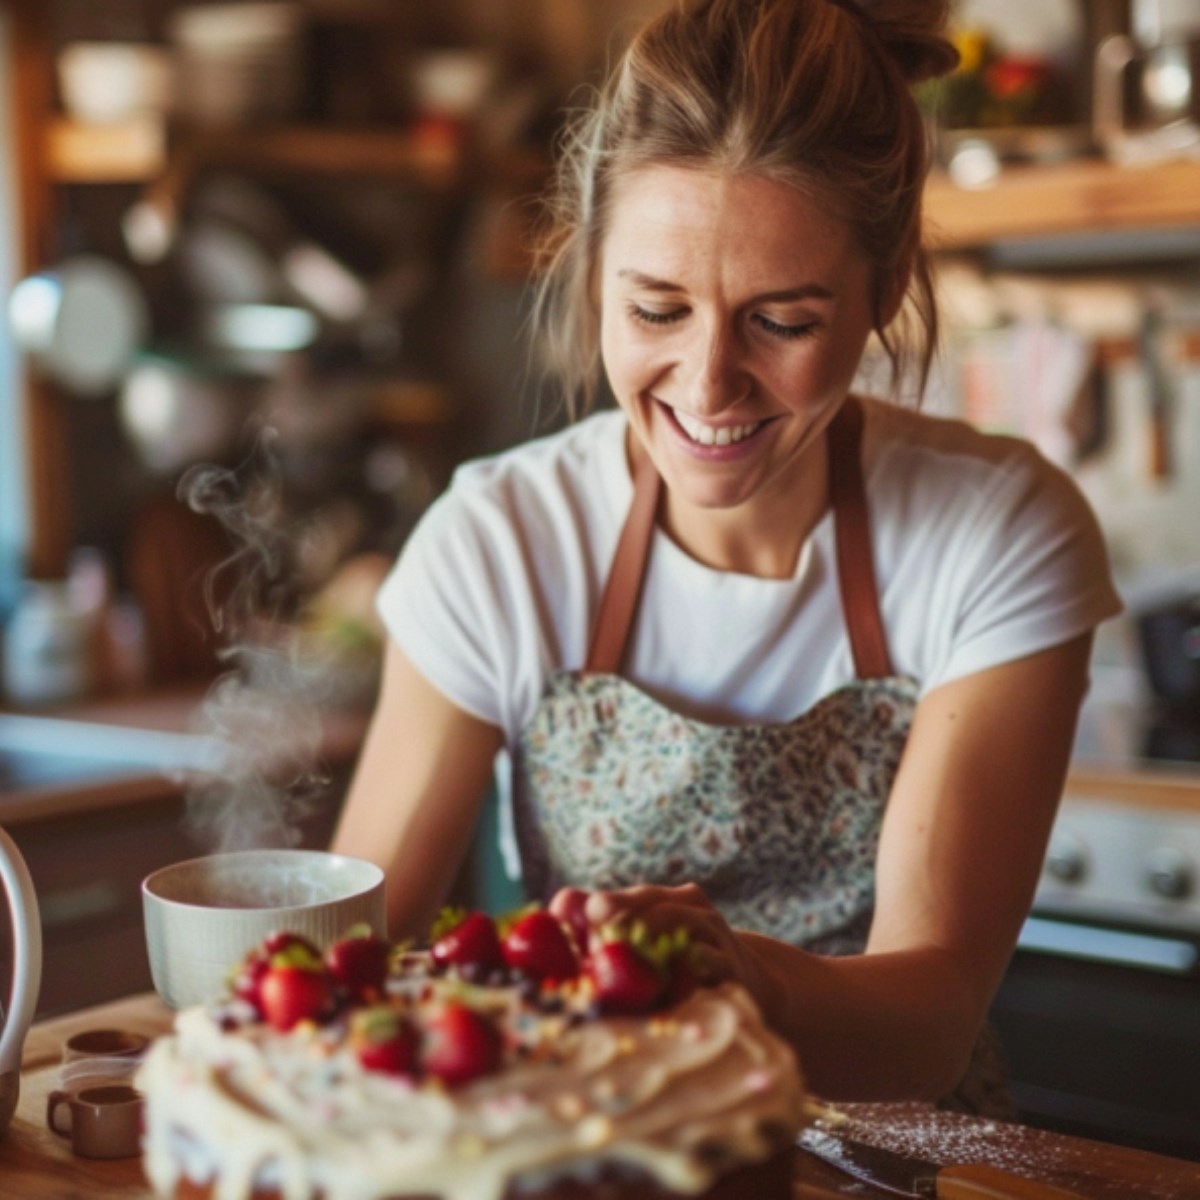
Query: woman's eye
x: 780, y: 330
x: 653, y: 316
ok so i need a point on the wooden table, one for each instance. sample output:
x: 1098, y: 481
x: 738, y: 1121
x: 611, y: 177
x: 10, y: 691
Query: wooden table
x: 37, y: 1165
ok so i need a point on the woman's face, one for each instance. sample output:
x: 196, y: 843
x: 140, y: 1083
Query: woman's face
x: 734, y: 312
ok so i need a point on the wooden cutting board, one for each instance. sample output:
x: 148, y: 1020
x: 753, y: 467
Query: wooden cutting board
x: 37, y: 1164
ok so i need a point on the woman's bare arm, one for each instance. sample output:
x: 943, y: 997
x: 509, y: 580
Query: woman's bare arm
x: 960, y: 852
x: 411, y: 808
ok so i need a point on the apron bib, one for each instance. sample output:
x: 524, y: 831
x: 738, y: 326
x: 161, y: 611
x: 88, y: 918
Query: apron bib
x: 778, y: 823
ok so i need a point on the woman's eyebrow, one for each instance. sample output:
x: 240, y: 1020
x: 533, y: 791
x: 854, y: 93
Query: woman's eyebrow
x: 804, y: 291
x: 648, y: 281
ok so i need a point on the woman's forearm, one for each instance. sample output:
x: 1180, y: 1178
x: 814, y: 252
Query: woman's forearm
x: 899, y: 1025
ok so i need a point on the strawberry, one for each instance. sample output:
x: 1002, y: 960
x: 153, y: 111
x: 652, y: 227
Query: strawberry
x: 460, y: 1045
x: 467, y: 940
x: 359, y: 963
x: 570, y: 904
x: 538, y: 945
x: 281, y: 941
x: 246, y: 983
x: 384, y: 1041
x: 625, y: 980
x: 296, y: 986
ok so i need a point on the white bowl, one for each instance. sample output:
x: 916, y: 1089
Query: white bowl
x: 203, y: 915
x: 102, y: 82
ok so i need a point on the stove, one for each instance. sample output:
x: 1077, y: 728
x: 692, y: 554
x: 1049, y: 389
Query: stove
x: 1099, y: 1012
x: 1110, y: 861
x: 1125, y: 848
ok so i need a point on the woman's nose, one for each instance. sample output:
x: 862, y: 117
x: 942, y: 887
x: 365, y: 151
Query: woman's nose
x: 714, y: 371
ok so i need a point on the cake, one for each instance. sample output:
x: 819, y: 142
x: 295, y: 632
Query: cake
x: 489, y: 1066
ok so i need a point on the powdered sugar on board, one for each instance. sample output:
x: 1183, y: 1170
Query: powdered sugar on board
x: 1097, y: 1170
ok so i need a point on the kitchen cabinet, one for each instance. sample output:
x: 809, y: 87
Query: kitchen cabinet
x: 76, y: 183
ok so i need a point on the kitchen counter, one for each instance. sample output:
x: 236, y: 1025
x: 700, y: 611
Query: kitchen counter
x: 125, y: 750
x: 35, y: 1163
x: 147, y: 740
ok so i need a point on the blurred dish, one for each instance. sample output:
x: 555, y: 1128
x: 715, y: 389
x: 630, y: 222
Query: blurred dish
x: 82, y: 322
x: 176, y: 413
x: 105, y: 82
x: 239, y: 63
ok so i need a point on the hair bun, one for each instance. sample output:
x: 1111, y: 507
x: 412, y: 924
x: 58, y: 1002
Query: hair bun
x: 914, y: 32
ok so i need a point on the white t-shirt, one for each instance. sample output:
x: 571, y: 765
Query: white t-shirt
x: 984, y: 553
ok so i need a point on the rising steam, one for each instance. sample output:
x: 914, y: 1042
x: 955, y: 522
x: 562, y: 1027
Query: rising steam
x: 264, y: 710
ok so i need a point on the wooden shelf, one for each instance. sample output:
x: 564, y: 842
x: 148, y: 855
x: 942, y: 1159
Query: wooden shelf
x: 1085, y: 195
x: 123, y: 152
x: 1068, y: 198
x: 139, y: 152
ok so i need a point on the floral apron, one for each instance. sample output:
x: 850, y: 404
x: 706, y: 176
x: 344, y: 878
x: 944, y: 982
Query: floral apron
x: 778, y: 823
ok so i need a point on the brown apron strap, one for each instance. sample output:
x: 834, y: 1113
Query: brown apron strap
x: 855, y: 558
x: 852, y: 531
x: 619, y: 601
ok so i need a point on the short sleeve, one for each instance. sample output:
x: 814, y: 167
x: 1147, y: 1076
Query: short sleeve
x: 440, y: 605
x: 1032, y: 569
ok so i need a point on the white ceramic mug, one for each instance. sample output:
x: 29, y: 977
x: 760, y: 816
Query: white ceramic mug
x: 204, y: 915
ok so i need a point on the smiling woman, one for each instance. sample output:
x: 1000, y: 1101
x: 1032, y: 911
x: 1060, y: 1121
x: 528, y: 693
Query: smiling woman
x: 788, y: 667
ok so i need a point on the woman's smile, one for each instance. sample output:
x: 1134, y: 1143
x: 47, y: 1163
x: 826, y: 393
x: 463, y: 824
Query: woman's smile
x: 712, y: 438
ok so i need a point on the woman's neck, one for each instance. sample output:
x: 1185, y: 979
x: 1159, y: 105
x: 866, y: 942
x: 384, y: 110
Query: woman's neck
x: 761, y: 537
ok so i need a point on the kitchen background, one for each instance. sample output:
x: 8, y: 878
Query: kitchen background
x: 264, y: 275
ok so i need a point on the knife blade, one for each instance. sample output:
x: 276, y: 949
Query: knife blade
x: 906, y: 1175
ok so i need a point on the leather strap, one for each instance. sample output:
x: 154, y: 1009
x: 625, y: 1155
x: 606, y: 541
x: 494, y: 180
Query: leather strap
x: 614, y: 621
x: 852, y: 533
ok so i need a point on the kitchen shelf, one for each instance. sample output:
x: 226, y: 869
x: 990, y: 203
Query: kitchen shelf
x: 139, y: 152
x: 1087, y: 195
x: 1084, y: 195
x: 122, y: 152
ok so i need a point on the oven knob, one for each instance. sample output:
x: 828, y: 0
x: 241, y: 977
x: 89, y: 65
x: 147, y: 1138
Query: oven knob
x: 1170, y: 874
x: 1066, y: 860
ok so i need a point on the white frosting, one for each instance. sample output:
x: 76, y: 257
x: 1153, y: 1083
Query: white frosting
x: 668, y: 1094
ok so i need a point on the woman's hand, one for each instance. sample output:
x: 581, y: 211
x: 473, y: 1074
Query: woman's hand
x: 718, y: 952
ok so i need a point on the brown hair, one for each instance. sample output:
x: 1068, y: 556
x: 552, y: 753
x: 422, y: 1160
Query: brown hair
x: 814, y: 93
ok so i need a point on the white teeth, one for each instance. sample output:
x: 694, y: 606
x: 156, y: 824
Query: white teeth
x: 708, y: 435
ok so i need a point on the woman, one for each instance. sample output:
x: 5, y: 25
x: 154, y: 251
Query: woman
x: 796, y: 669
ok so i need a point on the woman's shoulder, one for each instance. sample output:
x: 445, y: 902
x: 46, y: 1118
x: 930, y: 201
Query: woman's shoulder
x: 964, y: 486
x: 585, y: 455
x: 942, y: 457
